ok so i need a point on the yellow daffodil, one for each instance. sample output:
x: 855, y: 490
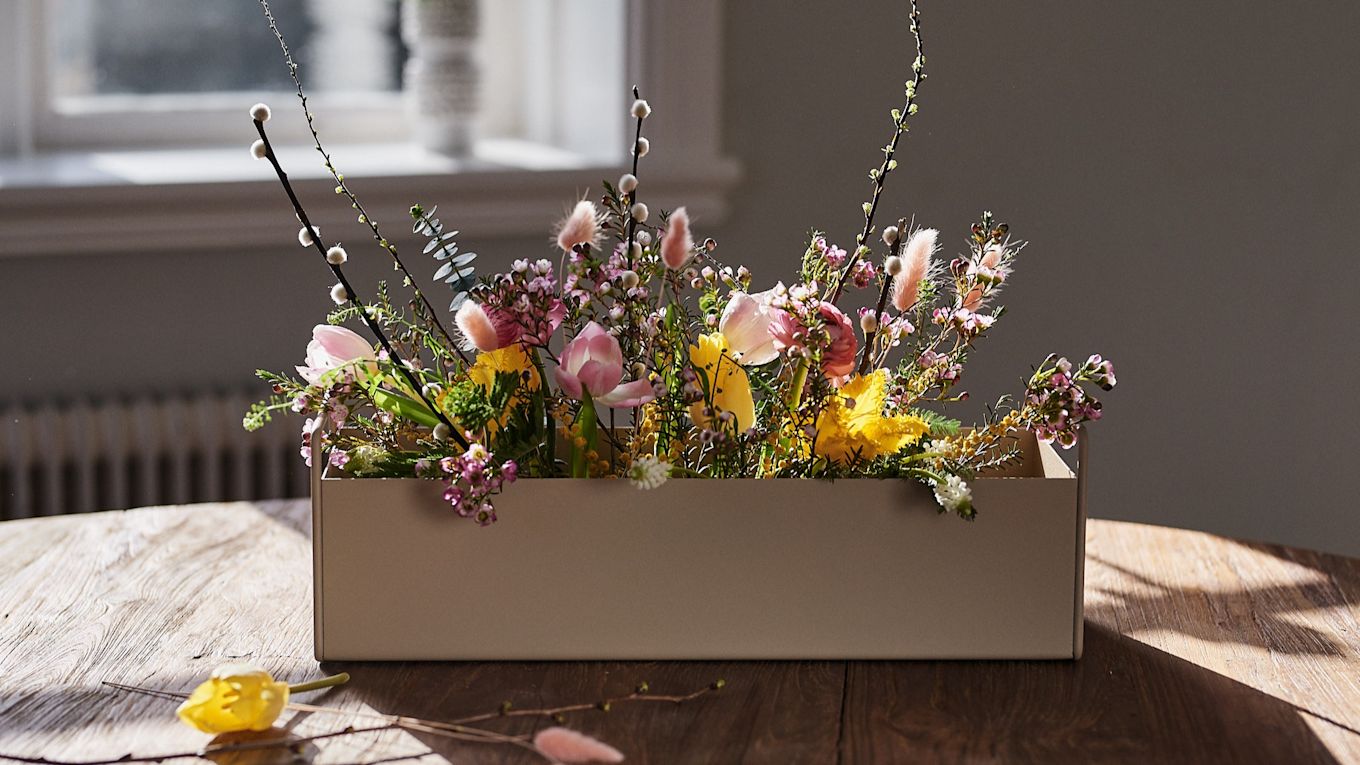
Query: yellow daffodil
x: 237, y: 697
x: 728, y: 386
x: 853, y: 422
x: 512, y: 358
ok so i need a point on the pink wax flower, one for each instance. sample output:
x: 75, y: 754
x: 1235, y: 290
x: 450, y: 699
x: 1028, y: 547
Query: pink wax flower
x: 567, y: 746
x: 745, y: 323
x: 484, y: 330
x: 593, y: 362
x: 581, y: 227
x: 678, y: 243
x: 334, y: 348
x: 915, y: 265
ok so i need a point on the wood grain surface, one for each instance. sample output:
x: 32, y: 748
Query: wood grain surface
x: 1198, y: 649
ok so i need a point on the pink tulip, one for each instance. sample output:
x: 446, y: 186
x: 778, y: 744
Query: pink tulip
x: 482, y: 330
x: 677, y: 244
x: 838, y: 357
x: 915, y: 265
x: 334, y: 348
x: 581, y: 227
x: 567, y: 746
x: 745, y: 323
x: 593, y: 362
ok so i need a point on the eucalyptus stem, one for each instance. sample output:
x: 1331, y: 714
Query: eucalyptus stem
x: 880, y: 174
x: 364, y: 308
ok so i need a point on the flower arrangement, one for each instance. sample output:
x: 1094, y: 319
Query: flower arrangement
x: 636, y: 352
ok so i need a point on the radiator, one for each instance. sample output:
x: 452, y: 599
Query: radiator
x: 83, y: 456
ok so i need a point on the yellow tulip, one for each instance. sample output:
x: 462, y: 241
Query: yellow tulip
x: 236, y: 697
x: 729, y: 388
x: 853, y: 422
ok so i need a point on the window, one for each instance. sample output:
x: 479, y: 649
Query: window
x: 110, y: 108
x: 122, y: 73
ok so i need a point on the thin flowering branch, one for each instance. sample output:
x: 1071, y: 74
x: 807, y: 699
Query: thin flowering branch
x: 343, y: 188
x: 870, y: 336
x: 880, y: 174
x: 364, y: 310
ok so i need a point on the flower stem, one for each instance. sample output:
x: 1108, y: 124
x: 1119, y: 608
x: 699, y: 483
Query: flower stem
x: 796, y: 386
x: 589, y: 429
x: 316, y: 685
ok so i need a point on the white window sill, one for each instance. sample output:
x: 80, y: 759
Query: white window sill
x: 188, y: 199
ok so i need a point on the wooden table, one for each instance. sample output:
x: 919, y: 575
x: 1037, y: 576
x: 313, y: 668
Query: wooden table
x: 1198, y: 649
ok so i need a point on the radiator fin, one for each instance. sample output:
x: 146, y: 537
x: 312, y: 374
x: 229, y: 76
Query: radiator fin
x: 82, y: 456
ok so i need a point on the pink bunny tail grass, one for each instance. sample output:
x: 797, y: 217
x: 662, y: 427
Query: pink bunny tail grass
x: 476, y: 328
x: 678, y: 243
x: 582, y: 226
x: 973, y: 300
x: 567, y: 746
x: 916, y: 264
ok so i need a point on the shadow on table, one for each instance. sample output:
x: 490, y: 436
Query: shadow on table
x: 1124, y: 702
x: 1255, y: 616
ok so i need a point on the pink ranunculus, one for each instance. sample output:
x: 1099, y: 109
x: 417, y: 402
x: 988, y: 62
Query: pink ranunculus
x: 334, y: 348
x: 484, y: 330
x: 593, y: 362
x: 544, y: 325
x: 838, y: 356
x: 568, y: 746
x: 746, y: 323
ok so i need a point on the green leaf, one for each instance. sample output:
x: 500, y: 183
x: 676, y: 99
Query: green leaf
x: 404, y: 407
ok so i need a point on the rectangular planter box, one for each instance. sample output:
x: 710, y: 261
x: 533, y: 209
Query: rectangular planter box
x: 702, y: 569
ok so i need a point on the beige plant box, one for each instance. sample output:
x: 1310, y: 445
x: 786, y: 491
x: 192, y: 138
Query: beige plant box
x: 702, y: 569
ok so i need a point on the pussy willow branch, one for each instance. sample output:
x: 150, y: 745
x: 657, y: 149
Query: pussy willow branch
x: 632, y: 195
x: 340, y: 179
x: 869, y: 337
x: 918, y: 68
x: 363, y: 307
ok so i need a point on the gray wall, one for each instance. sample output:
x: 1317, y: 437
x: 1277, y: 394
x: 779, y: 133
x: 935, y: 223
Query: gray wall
x: 1187, y: 174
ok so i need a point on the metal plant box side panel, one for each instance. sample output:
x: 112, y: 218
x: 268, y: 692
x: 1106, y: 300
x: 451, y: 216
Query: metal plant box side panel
x: 699, y: 569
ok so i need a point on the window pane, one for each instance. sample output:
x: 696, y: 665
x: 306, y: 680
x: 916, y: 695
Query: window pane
x: 143, y: 47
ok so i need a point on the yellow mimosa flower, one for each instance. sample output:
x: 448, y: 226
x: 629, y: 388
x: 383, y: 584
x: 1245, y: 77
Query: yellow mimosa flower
x: 237, y: 697
x: 511, y: 358
x: 853, y: 422
x: 728, y: 385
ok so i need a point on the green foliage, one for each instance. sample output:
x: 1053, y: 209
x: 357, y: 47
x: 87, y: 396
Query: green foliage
x: 940, y: 425
x: 456, y: 269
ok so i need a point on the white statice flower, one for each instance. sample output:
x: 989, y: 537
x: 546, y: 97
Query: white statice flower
x: 649, y: 472
x: 953, y: 494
